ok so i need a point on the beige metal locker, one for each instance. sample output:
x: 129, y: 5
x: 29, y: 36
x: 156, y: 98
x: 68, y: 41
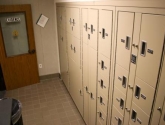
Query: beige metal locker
x: 150, y: 48
x: 92, y: 85
x: 93, y: 28
x: 105, y: 32
x: 117, y: 118
x: 124, y: 38
x: 138, y: 116
x: 121, y: 79
x: 85, y: 24
x: 76, y: 90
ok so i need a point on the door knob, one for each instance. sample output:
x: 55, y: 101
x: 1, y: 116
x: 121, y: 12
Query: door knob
x: 32, y: 51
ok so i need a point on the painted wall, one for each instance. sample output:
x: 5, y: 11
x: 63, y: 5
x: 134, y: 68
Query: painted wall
x: 45, y: 38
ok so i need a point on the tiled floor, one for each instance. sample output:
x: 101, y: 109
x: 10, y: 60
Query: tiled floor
x: 47, y: 103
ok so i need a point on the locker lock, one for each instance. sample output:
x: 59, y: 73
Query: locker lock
x: 128, y: 110
x: 100, y: 115
x: 131, y: 87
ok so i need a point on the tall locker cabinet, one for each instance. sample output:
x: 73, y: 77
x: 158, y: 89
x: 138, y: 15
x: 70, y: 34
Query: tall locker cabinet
x: 63, y: 54
x: 90, y: 45
x: 106, y: 20
x: 137, y: 75
x: 74, y: 55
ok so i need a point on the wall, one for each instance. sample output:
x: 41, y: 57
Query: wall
x: 45, y: 38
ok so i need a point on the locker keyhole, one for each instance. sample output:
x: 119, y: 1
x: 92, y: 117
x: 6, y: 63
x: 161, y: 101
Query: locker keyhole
x: 119, y: 122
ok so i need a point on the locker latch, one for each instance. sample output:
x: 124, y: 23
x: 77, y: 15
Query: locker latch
x: 100, y: 115
x: 121, y: 103
x: 140, y: 122
x: 102, y: 84
x: 124, y: 81
x: 137, y: 92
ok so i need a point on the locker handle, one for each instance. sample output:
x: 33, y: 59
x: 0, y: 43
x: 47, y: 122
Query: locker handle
x: 143, y: 48
x: 89, y: 36
x: 100, y: 115
x: 137, y: 92
x: 71, y: 47
x: 131, y: 87
x: 102, y: 65
x: 102, y: 84
x: 119, y: 121
x: 74, y: 49
x: 74, y: 22
x: 127, y: 43
x: 121, y: 103
x: 128, y: 110
x: 92, y: 96
x: 124, y: 81
x: 91, y: 29
x: 103, y: 33
x: 86, y: 28
x: 80, y: 92
x: 70, y: 21
x: 118, y: 99
x: 133, y: 117
x: 101, y: 101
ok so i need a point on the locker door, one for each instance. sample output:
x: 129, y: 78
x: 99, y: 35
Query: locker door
x: 86, y: 83
x: 85, y: 25
x: 92, y: 85
x: 101, y: 117
x: 162, y: 119
x: 63, y: 18
x: 119, y: 100
x: 150, y: 49
x: 117, y: 118
x: 121, y: 79
x: 75, y: 16
x: 105, y: 32
x: 138, y: 117
x: 68, y: 20
x: 76, y: 85
x: 93, y: 28
x: 124, y: 38
x: 143, y: 95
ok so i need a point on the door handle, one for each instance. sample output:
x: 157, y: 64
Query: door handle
x: 92, y: 96
x: 100, y: 115
x: 102, y: 84
x: 127, y: 44
x: 124, y: 81
x: 143, y: 48
x: 32, y: 51
x: 133, y: 116
x: 137, y: 92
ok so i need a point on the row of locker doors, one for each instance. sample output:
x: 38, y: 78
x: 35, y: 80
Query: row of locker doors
x: 138, y: 61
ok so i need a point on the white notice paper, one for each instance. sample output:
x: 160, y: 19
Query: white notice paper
x: 42, y: 20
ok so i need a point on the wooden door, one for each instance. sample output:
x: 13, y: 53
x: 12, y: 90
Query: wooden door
x: 17, y: 49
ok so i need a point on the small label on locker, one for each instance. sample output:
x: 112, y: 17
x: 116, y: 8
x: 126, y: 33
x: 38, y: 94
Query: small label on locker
x: 133, y: 59
x: 143, y: 96
x: 123, y: 40
x: 120, y: 78
x: 150, y: 51
x: 139, y: 120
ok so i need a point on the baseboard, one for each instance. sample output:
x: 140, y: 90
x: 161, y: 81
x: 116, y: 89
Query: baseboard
x: 50, y: 76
